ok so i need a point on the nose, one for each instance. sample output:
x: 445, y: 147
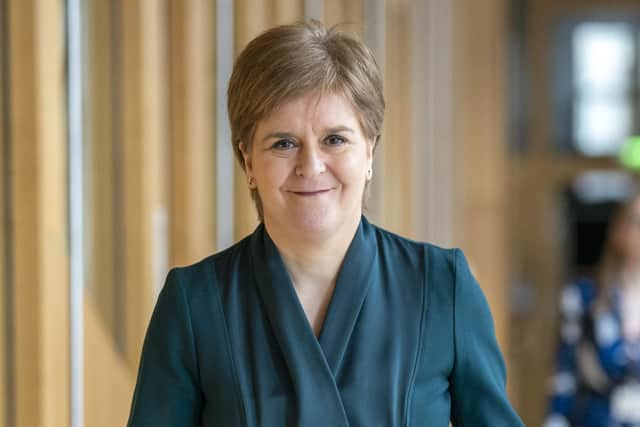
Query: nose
x: 311, y: 161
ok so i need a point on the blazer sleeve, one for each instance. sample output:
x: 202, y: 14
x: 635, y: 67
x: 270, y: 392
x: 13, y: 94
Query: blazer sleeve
x: 168, y: 393
x: 478, y: 396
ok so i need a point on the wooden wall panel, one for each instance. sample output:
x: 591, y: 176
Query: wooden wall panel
x: 24, y: 226
x: 100, y: 175
x: 39, y: 190
x: 192, y: 145
x: 287, y: 11
x: 394, y: 150
x: 145, y: 164
x: 348, y: 14
x: 4, y: 206
x: 108, y: 380
x: 53, y: 214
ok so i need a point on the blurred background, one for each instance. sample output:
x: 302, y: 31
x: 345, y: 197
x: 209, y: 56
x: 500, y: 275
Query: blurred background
x: 502, y: 136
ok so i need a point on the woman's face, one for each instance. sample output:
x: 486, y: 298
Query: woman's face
x: 310, y: 162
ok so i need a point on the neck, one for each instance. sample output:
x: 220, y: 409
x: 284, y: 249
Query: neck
x: 315, y: 260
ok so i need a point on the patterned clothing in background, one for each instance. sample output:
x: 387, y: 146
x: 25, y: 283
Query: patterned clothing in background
x: 597, y: 376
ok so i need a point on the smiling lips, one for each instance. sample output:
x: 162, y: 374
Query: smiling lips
x: 311, y: 193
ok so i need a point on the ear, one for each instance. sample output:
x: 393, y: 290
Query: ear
x: 246, y: 158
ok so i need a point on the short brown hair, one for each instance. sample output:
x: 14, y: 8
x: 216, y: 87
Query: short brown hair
x: 290, y: 61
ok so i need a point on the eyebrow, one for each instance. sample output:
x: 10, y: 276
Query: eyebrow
x: 290, y: 135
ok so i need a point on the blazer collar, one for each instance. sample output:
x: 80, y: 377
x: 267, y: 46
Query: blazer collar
x: 314, y: 363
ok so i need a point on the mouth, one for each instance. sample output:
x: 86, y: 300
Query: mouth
x: 311, y: 193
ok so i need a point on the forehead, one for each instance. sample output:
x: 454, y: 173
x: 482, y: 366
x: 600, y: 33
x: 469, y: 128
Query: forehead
x: 315, y: 111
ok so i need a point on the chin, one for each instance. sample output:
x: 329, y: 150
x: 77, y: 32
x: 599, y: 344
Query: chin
x: 315, y: 222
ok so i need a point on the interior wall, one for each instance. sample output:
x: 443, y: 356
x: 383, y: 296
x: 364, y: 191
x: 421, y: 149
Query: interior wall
x: 40, y: 303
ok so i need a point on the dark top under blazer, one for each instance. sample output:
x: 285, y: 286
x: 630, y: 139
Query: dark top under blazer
x: 408, y: 340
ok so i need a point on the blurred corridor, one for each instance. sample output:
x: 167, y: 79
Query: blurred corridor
x: 504, y: 125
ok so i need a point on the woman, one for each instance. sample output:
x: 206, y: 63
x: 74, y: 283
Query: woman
x: 597, y: 378
x: 318, y: 318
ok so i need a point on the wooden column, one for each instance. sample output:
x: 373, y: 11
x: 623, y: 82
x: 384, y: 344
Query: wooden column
x: 39, y: 213
x: 395, y: 150
x: 145, y: 164
x: 108, y: 379
x: 192, y: 113
x: 5, y: 204
x: 348, y: 14
x: 287, y: 11
x: 102, y: 198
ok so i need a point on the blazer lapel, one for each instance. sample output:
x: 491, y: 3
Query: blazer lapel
x: 352, y: 286
x: 317, y: 395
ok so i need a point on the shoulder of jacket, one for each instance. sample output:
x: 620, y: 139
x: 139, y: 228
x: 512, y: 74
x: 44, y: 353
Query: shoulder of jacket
x: 207, y: 270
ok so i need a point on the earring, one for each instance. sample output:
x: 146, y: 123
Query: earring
x: 369, y: 174
x: 252, y: 183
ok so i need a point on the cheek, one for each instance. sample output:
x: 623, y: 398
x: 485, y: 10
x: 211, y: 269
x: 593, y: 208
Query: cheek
x: 271, y: 172
x: 353, y: 169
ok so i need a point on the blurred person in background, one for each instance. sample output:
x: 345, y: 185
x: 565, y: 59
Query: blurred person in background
x: 318, y: 318
x: 597, y: 376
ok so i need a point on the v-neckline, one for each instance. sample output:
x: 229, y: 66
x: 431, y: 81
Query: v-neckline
x: 352, y: 284
x: 314, y: 363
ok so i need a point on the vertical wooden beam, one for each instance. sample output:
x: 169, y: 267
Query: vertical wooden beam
x: 5, y: 204
x: 24, y: 212
x: 108, y: 380
x: 394, y: 150
x: 145, y: 164
x: 192, y: 105
x: 287, y: 11
x: 39, y: 212
x: 333, y: 12
x: 52, y: 213
x: 348, y: 15
x: 100, y: 209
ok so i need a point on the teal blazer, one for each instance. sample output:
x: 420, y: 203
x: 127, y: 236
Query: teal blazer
x: 408, y: 340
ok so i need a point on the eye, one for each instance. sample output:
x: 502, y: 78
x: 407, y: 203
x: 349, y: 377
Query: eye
x: 283, y: 144
x: 335, y: 140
